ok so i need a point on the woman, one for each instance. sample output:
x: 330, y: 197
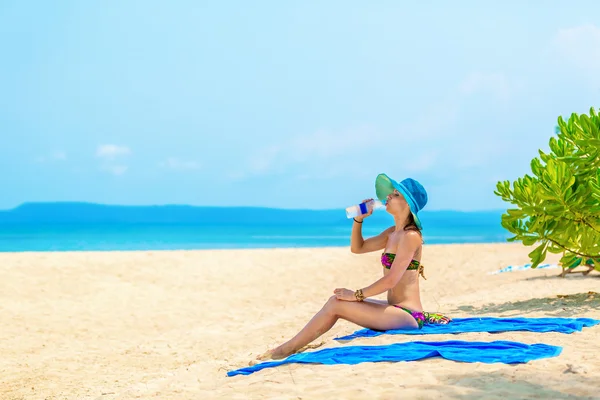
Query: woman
x: 401, y: 260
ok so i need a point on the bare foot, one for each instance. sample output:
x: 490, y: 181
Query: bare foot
x: 274, y: 354
x: 266, y: 356
x: 311, y: 346
x: 278, y: 353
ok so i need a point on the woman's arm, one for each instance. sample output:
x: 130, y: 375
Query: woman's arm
x: 359, y: 246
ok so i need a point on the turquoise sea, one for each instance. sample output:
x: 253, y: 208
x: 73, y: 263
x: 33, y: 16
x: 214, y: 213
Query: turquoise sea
x: 82, y: 226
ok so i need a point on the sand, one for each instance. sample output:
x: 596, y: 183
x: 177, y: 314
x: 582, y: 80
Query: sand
x: 169, y: 325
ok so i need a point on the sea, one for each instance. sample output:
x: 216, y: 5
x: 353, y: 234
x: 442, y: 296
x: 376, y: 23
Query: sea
x: 43, y: 227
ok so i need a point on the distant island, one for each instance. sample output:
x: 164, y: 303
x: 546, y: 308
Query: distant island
x: 90, y: 213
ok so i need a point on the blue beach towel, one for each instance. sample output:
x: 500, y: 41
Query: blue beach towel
x: 487, y: 324
x: 485, y: 352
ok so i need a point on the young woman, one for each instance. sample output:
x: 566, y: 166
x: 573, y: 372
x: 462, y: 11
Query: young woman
x: 401, y: 261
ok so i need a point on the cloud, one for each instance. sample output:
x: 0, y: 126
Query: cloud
x: 580, y: 46
x: 179, y: 165
x: 433, y: 123
x: 492, y: 83
x: 115, y: 169
x: 423, y: 141
x: 55, y: 156
x: 59, y: 155
x: 335, y: 147
x: 437, y: 120
x: 262, y: 161
x: 335, y: 171
x: 482, y: 151
x: 111, y: 151
x: 423, y: 161
x: 325, y: 144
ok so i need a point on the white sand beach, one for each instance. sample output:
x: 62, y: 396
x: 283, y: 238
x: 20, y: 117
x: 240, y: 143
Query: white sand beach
x: 170, y: 324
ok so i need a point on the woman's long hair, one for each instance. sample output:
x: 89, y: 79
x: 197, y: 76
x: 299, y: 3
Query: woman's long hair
x: 411, y: 225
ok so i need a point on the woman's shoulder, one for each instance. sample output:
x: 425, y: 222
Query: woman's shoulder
x: 413, y: 237
x: 388, y: 231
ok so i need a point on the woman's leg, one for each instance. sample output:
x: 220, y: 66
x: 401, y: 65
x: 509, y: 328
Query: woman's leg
x: 368, y: 314
x: 375, y: 301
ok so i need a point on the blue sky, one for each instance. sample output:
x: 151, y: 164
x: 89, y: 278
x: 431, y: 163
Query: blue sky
x: 284, y: 105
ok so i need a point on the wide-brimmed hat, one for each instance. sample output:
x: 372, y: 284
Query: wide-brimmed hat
x: 414, y: 193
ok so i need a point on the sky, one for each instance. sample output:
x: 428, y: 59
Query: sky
x: 284, y: 104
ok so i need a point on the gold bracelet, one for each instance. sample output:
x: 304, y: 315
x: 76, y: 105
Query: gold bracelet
x: 359, y: 295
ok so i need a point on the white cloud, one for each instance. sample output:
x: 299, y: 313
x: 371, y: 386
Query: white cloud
x: 438, y: 119
x: 483, y: 151
x: 324, y: 144
x: 336, y: 170
x: 115, y: 169
x: 179, y: 165
x: 236, y: 175
x: 415, y: 146
x: 111, y: 151
x: 55, y: 156
x: 59, y: 155
x: 262, y: 161
x: 339, y: 148
x: 493, y: 83
x: 423, y: 161
x: 580, y: 46
x: 433, y: 123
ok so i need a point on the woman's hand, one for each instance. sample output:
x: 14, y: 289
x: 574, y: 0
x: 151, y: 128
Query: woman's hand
x: 369, y: 211
x: 344, y: 294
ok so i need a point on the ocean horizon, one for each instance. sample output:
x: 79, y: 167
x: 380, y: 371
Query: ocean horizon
x: 96, y: 227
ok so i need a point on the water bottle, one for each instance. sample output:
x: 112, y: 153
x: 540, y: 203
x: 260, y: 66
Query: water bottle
x: 363, y: 208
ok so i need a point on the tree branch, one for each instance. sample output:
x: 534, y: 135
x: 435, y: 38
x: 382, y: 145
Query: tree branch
x: 569, y: 250
x: 590, y: 225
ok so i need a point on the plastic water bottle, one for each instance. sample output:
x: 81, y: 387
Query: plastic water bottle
x: 363, y: 208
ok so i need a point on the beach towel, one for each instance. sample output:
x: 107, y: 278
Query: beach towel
x: 487, y: 324
x: 484, y: 352
x: 511, y: 268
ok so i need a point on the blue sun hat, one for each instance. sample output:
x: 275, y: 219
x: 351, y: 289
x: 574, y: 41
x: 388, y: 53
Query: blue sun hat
x: 414, y: 193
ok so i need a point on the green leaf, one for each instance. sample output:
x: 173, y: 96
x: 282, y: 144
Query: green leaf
x: 536, y: 167
x: 516, y: 213
x: 554, y: 147
x: 570, y: 261
x: 530, y: 240
x: 555, y: 249
x: 538, y: 255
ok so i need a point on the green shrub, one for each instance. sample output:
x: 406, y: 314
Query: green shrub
x: 558, y: 206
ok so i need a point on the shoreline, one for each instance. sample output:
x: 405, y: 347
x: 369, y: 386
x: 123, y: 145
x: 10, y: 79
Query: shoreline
x: 241, y: 248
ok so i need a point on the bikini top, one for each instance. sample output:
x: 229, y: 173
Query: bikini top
x: 388, y: 258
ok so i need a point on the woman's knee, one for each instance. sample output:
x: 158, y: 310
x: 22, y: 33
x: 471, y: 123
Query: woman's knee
x: 332, y: 305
